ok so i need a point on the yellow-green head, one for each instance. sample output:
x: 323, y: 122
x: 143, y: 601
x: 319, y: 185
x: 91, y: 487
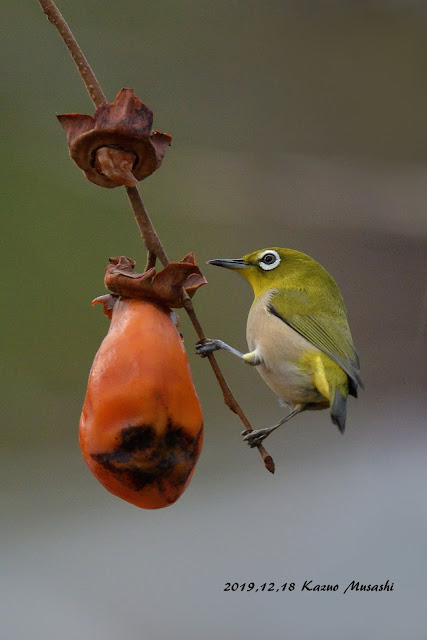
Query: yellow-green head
x: 278, y: 268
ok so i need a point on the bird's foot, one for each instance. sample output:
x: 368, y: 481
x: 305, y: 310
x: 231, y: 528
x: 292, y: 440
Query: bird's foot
x: 254, y: 438
x: 206, y: 346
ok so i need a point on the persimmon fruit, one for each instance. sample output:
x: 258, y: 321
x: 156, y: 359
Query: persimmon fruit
x: 141, y: 427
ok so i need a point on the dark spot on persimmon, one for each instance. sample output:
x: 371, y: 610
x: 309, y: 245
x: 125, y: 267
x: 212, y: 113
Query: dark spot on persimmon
x: 142, y: 457
x: 139, y: 479
x: 136, y: 438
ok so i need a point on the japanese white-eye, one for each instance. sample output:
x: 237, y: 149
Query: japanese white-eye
x: 297, y: 333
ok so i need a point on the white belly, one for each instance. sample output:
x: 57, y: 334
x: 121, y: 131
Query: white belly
x: 280, y: 348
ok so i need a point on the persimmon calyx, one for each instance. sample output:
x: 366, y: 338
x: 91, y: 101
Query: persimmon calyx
x: 116, y: 147
x: 164, y: 287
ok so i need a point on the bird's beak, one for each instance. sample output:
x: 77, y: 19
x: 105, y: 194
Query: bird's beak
x: 229, y: 263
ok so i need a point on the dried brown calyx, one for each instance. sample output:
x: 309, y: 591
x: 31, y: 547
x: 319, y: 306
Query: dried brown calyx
x: 116, y: 147
x: 164, y: 287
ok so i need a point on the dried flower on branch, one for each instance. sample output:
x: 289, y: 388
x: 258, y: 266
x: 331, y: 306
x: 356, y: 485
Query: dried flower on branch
x: 116, y: 147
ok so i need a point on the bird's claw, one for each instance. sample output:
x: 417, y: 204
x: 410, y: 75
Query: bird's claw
x: 206, y: 346
x: 254, y: 438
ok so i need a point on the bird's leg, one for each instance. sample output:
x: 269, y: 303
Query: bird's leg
x: 203, y: 347
x: 254, y: 438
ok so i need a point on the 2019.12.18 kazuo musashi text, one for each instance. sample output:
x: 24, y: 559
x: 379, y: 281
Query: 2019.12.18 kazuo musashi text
x: 309, y: 586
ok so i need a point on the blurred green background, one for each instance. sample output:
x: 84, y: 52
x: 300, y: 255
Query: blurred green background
x: 296, y: 123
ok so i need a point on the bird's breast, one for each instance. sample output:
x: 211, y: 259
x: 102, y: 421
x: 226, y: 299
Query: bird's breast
x: 280, y: 349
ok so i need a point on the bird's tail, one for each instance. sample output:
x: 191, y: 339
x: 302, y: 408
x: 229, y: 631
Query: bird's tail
x: 339, y: 410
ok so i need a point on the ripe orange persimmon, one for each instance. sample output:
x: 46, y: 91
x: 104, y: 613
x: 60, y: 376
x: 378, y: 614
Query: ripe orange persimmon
x: 141, y: 428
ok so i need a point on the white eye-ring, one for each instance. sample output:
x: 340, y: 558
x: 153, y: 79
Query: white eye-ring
x: 269, y: 259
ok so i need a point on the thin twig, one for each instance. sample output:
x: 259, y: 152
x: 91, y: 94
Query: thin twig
x: 149, y: 236
x: 151, y: 261
x: 229, y: 399
x: 148, y: 233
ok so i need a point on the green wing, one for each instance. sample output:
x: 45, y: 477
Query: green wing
x: 323, y: 324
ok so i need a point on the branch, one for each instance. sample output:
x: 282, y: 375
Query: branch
x: 145, y: 226
x: 149, y: 236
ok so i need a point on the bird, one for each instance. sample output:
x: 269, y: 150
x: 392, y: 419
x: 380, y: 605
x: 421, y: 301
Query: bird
x: 297, y: 333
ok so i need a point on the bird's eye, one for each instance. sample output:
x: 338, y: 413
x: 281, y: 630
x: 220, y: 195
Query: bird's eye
x: 269, y: 260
